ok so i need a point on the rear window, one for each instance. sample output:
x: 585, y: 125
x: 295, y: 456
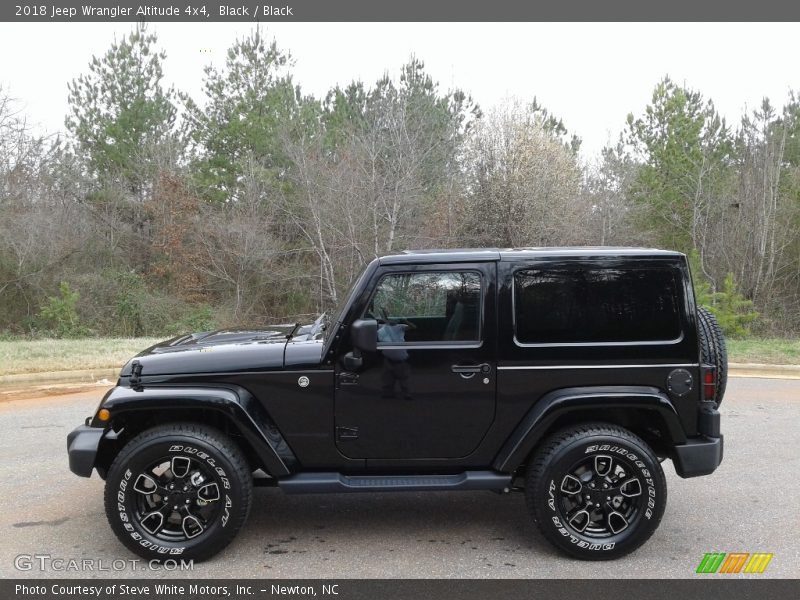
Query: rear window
x: 592, y: 305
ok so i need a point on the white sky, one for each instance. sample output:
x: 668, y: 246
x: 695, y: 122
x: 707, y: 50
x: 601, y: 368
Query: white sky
x: 590, y: 74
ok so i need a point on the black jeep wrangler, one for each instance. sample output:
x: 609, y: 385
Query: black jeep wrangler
x: 567, y: 373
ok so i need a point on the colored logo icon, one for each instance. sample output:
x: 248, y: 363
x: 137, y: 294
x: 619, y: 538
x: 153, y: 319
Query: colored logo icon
x: 734, y: 562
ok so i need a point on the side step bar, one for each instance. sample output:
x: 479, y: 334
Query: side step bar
x: 314, y: 483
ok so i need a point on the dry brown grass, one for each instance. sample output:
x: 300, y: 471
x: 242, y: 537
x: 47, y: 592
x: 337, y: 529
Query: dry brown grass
x: 37, y: 356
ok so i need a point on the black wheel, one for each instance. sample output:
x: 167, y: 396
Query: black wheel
x: 596, y: 491
x: 178, y: 491
x: 712, y: 349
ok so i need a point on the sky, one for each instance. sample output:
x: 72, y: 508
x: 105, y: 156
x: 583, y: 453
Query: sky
x: 589, y: 74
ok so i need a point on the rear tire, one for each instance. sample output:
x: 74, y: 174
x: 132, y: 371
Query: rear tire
x: 178, y: 491
x: 713, y: 350
x: 596, y: 491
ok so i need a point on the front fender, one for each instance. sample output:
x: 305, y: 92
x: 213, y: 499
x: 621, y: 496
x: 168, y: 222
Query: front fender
x: 233, y: 402
x: 557, y: 403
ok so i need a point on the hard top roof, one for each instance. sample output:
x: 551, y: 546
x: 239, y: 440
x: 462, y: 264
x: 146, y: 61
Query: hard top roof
x: 487, y: 254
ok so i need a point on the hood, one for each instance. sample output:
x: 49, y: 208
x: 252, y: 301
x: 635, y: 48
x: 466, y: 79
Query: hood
x: 224, y: 351
x: 193, y: 341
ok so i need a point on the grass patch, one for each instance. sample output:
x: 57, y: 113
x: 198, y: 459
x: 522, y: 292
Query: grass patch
x: 37, y: 356
x: 774, y: 351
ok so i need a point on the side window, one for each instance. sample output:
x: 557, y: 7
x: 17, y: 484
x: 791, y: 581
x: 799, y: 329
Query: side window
x: 591, y: 305
x: 429, y: 306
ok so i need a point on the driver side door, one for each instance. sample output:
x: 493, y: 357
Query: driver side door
x: 428, y: 391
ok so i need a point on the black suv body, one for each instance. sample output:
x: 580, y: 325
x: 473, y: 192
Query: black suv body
x: 568, y: 373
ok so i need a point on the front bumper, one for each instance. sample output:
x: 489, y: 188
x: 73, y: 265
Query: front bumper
x: 82, y: 445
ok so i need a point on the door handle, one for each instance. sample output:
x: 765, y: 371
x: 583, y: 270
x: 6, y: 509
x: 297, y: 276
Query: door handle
x: 348, y: 378
x: 471, y: 369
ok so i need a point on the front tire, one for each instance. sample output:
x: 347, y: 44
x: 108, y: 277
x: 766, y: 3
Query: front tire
x: 178, y: 491
x: 596, y: 491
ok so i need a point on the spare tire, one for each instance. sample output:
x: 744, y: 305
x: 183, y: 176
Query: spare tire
x: 712, y: 349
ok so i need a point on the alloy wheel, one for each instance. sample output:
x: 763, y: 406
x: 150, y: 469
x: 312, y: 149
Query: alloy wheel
x: 600, y: 496
x: 178, y: 498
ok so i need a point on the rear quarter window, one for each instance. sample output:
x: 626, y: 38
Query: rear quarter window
x: 594, y: 305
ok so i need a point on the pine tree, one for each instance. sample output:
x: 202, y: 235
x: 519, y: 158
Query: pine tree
x: 121, y: 116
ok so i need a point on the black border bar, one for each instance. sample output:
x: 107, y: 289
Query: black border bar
x: 273, y: 11
x: 708, y: 587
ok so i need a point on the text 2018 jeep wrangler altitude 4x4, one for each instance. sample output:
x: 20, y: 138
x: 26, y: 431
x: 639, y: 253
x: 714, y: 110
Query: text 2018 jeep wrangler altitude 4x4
x: 567, y: 372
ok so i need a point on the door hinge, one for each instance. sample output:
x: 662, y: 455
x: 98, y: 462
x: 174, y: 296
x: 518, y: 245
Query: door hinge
x: 347, y: 433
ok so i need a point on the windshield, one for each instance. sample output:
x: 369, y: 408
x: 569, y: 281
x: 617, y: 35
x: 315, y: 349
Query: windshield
x: 336, y: 314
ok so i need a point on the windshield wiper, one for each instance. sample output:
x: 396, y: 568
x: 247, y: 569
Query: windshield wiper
x: 293, y: 331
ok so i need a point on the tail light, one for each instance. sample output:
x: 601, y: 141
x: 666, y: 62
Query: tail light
x: 709, y: 384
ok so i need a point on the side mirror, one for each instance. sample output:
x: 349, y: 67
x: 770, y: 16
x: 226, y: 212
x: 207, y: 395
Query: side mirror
x: 364, y: 334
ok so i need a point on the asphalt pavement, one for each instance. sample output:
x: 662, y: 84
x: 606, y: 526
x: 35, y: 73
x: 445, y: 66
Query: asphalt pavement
x: 750, y: 504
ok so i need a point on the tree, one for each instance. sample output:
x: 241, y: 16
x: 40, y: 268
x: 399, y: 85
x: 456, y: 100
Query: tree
x: 41, y: 229
x: 733, y: 311
x: 120, y: 114
x: 367, y: 177
x: 60, y: 313
x: 240, y: 255
x: 606, y: 189
x: 246, y: 107
x: 410, y: 149
x: 761, y: 223
x: 523, y: 180
x: 685, y: 148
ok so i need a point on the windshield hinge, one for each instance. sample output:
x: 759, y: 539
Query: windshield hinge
x: 136, y: 375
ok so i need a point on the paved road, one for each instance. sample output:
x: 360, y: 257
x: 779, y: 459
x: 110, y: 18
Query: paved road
x: 752, y: 503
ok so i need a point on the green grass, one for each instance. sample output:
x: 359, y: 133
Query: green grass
x: 36, y: 356
x: 774, y: 351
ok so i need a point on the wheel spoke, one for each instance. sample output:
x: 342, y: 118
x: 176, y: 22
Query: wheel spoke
x: 153, y: 522
x: 146, y: 485
x: 571, y: 485
x: 603, y: 465
x: 209, y: 492
x: 634, y: 488
x: 616, y: 522
x: 180, y: 466
x: 580, y: 520
x: 192, y: 527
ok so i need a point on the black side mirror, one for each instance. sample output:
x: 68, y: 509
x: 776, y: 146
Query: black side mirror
x: 364, y: 334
